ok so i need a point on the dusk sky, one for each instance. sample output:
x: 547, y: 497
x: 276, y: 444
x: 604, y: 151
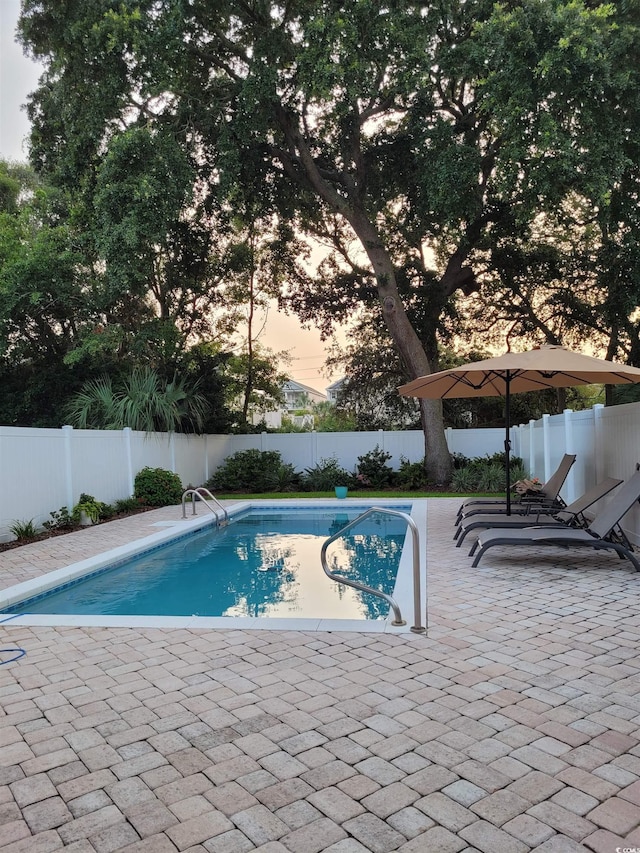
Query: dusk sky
x: 18, y: 77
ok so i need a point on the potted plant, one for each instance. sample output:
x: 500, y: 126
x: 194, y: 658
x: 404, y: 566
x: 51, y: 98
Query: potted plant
x: 87, y: 510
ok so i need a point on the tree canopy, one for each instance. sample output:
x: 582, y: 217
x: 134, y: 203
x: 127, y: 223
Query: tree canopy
x: 470, y: 165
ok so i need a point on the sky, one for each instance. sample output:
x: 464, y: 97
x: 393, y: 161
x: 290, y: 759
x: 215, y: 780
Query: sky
x: 18, y: 77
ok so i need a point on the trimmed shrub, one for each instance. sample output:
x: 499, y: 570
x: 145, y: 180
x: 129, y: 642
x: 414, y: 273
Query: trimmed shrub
x: 253, y: 471
x: 157, y: 487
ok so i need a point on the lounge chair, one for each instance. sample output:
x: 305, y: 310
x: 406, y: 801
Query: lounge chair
x: 547, y: 498
x: 571, y: 516
x: 604, y: 532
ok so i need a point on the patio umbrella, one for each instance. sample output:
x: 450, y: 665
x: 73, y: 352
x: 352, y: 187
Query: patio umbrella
x: 543, y: 367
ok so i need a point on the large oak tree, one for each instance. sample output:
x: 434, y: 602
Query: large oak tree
x: 411, y: 128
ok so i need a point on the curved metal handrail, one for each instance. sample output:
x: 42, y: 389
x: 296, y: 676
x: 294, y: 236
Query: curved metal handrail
x: 417, y: 628
x: 207, y: 493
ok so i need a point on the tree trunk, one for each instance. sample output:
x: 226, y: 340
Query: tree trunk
x: 437, y: 456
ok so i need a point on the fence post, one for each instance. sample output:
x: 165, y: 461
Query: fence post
x: 263, y: 441
x: 67, y: 432
x: 569, y: 448
x: 598, y: 443
x: 546, y: 447
x: 206, y: 458
x: 126, y: 436
x: 448, y: 434
x: 532, y: 448
x: 172, y: 451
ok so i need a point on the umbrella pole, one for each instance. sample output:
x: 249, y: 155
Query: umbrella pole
x: 507, y: 440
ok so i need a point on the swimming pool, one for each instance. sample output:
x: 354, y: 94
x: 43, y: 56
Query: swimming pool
x: 272, y: 572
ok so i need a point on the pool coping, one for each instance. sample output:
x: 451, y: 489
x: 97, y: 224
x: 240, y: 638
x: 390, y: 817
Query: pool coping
x: 172, y: 530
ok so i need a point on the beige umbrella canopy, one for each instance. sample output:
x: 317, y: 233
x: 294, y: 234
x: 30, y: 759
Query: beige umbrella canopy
x: 513, y: 372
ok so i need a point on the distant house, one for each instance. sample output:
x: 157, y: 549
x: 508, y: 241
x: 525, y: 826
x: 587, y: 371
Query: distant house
x: 333, y: 391
x: 299, y: 396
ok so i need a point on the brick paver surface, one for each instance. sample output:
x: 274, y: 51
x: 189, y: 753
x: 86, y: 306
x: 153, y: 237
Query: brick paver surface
x: 514, y: 725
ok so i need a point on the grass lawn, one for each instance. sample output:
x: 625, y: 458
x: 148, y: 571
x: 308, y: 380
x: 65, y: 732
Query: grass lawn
x: 361, y: 493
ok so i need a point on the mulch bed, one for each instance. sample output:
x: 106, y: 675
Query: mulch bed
x: 50, y: 534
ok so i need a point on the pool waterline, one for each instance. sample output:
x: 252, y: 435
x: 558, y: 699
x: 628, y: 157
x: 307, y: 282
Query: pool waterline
x: 171, y: 531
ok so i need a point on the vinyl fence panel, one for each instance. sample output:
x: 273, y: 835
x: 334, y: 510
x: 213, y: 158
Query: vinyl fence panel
x: 42, y: 470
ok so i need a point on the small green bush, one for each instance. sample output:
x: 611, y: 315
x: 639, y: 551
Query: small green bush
x: 411, y: 476
x: 373, y: 471
x: 107, y: 511
x: 123, y: 505
x: 157, y: 487
x: 283, y: 479
x: 464, y: 480
x: 491, y: 478
x: 325, y: 476
x: 486, y: 474
x: 61, y: 519
x: 24, y: 530
x: 253, y: 471
x: 459, y: 460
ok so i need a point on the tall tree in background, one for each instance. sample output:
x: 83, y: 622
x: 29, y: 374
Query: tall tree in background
x: 45, y: 307
x: 432, y: 135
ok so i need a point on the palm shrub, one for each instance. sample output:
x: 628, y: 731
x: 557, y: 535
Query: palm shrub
x: 142, y: 401
x: 486, y: 474
x: 464, y: 480
x: 325, y: 476
x: 490, y: 478
x: 284, y: 479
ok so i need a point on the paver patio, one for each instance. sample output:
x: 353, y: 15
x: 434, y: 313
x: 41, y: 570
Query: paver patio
x: 513, y: 726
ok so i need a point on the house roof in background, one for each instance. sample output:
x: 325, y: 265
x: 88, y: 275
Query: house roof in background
x: 292, y: 385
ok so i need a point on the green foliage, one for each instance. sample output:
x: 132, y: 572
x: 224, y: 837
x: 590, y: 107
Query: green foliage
x: 372, y: 470
x: 329, y: 417
x: 253, y: 471
x: 325, y: 476
x: 411, y: 476
x: 125, y: 505
x: 284, y: 478
x: 88, y: 505
x: 486, y: 474
x: 142, y: 401
x: 255, y: 380
x: 464, y: 480
x: 495, y: 138
x: 157, y: 487
x: 24, y: 530
x: 60, y: 519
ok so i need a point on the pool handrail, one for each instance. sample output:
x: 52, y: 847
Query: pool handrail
x: 196, y: 493
x: 398, y: 621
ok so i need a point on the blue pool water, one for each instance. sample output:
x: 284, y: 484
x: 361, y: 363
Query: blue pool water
x: 265, y: 563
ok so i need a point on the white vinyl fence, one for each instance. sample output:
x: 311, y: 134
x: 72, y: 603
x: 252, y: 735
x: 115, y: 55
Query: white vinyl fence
x: 606, y: 442
x: 42, y: 470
